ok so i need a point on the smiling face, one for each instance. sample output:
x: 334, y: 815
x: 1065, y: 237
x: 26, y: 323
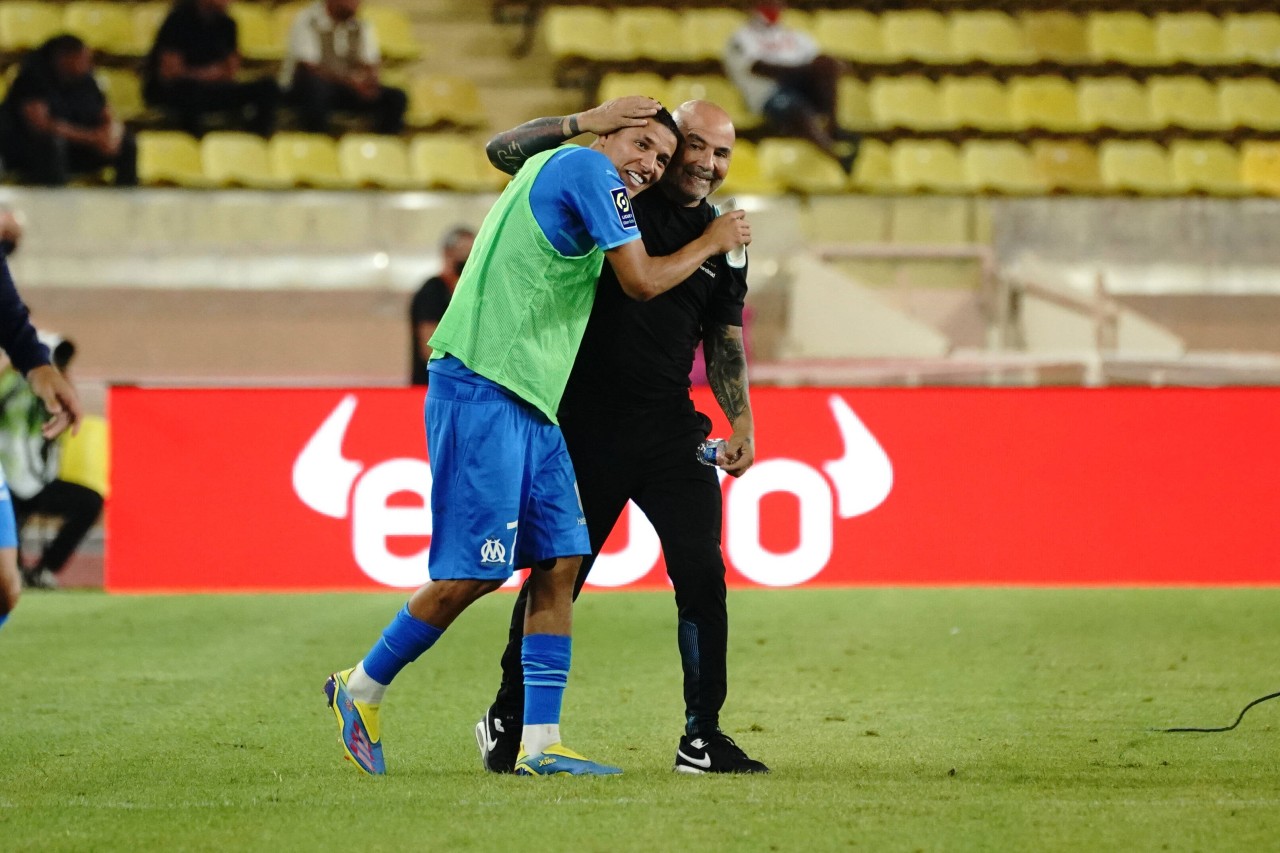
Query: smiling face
x: 640, y: 154
x: 704, y: 158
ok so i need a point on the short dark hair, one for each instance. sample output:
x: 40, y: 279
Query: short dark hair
x: 663, y: 117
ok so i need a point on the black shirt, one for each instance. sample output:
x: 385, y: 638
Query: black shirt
x: 638, y: 355
x: 79, y: 102
x: 200, y: 38
x: 427, y: 307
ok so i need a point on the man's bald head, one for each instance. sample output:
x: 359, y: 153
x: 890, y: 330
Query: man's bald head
x: 704, y: 159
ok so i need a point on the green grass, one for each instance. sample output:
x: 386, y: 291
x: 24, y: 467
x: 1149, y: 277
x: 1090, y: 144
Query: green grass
x: 956, y: 719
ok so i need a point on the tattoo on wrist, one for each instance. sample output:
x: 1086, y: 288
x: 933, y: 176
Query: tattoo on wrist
x: 573, y: 125
x: 727, y: 372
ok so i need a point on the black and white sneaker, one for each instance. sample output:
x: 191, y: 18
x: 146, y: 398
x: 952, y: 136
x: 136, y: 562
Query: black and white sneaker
x: 499, y: 740
x: 714, y: 753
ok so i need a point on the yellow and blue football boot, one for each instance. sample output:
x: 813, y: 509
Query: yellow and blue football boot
x: 357, y: 725
x: 559, y: 760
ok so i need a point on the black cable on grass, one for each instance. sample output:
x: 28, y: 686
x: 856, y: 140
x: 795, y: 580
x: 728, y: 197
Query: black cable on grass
x: 1257, y: 701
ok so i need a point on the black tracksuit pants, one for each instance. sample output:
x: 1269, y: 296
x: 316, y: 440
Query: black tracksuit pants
x: 650, y: 458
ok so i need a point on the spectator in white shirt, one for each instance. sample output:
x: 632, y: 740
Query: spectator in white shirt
x: 785, y: 77
x: 333, y: 63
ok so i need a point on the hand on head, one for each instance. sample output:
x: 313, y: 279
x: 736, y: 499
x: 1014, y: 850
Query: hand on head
x: 630, y: 111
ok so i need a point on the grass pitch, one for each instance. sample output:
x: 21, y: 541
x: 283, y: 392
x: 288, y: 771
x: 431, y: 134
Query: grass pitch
x: 893, y: 719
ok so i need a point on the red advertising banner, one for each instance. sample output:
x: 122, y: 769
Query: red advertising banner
x: 327, y: 490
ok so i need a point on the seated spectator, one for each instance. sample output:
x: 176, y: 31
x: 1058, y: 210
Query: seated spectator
x: 427, y: 307
x: 191, y: 70
x: 31, y: 467
x: 332, y: 64
x: 55, y: 121
x: 784, y: 77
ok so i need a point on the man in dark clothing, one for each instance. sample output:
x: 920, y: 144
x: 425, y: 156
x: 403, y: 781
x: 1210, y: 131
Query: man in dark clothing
x: 191, y: 70
x: 632, y: 430
x: 432, y: 299
x: 55, y: 121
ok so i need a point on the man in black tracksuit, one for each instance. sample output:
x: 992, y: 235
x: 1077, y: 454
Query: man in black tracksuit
x: 632, y: 430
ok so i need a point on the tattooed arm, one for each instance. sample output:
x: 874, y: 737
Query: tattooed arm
x: 508, y: 150
x: 727, y: 374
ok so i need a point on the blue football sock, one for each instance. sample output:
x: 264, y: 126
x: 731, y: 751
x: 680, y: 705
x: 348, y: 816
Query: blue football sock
x: 546, y: 672
x: 3, y: 619
x: 400, y: 645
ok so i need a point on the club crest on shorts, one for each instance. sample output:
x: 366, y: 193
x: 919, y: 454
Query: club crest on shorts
x: 622, y: 206
x: 493, y: 552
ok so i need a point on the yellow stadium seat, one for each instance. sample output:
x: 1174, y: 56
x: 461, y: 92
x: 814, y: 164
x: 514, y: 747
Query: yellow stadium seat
x: 1212, y: 167
x: 583, y: 32
x: 977, y: 102
x: 1253, y: 37
x: 103, y: 25
x: 919, y: 34
x: 391, y: 25
x: 374, y: 160
x: 797, y: 19
x: 652, y: 32
x: 746, y: 175
x: 1067, y: 165
x: 25, y: 24
x: 799, y: 165
x: 1250, y: 102
x: 1138, y: 166
x: 6, y: 79
x: 1056, y: 35
x: 706, y: 31
x: 619, y: 84
x: 1045, y: 101
x: 123, y: 91
x: 718, y: 90
x: 1260, y: 166
x: 1115, y: 102
x: 852, y: 34
x: 261, y: 33
x: 450, y: 161
x: 85, y: 457
x: 853, y: 105
x: 146, y: 19
x: 1190, y: 37
x: 1000, y: 166
x: 444, y: 99
x: 169, y: 157
x: 909, y: 101
x: 988, y: 36
x: 232, y: 158
x: 305, y: 160
x: 873, y: 170
x: 927, y: 164
x: 1127, y: 37
x: 1185, y: 101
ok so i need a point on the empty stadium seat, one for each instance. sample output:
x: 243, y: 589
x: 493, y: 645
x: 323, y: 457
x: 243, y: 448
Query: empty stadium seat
x: 1000, y: 166
x: 718, y: 90
x: 1185, y: 101
x: 1045, y: 101
x: 988, y: 36
x: 449, y: 161
x: 706, y: 31
x: 1137, y: 166
x: 1120, y: 103
x: 853, y: 105
x: 582, y: 32
x: 1250, y: 102
x: 798, y: 19
x: 305, y: 160
x: 444, y: 99
x: 977, y: 102
x: 1067, y: 165
x: 652, y: 32
x: 395, y: 33
x: 1211, y: 166
x: 25, y: 24
x: 103, y: 25
x: 259, y: 33
x: 170, y: 157
x: 852, y: 34
x: 1056, y: 35
x: 873, y: 170
x: 123, y: 91
x: 1260, y: 166
x: 374, y: 160
x: 1190, y: 37
x: 1252, y: 37
x: 799, y: 165
x: 145, y: 19
x: 909, y: 101
x: 919, y: 34
x: 619, y: 84
x: 232, y: 158
x: 746, y: 175
x: 927, y: 164
x: 1127, y: 37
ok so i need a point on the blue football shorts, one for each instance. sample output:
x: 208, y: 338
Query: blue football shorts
x: 503, y: 492
x: 8, y: 526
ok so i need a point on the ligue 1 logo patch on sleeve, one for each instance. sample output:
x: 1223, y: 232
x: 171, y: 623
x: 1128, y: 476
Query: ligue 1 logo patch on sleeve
x: 622, y: 205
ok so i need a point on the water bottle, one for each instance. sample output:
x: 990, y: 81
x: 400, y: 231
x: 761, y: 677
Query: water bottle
x: 737, y: 257
x: 712, y: 451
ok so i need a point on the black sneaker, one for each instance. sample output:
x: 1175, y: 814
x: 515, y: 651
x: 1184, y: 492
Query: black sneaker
x: 39, y: 578
x: 499, y: 740
x: 714, y: 753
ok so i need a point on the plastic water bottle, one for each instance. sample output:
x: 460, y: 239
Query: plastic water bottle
x: 712, y: 451
x: 737, y: 257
